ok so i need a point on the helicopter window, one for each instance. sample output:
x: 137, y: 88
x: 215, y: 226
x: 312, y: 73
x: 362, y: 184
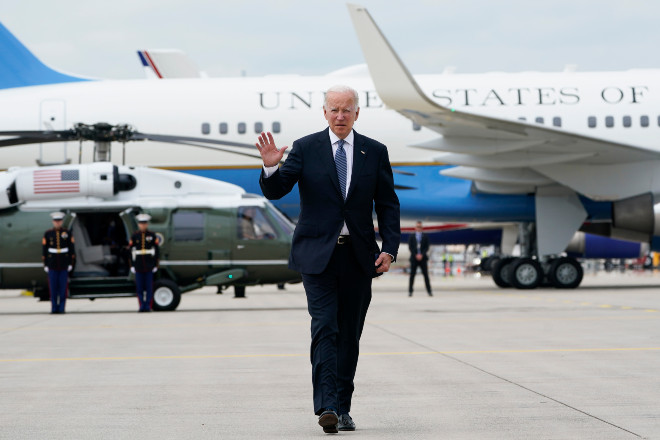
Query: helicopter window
x: 206, y: 128
x: 241, y: 128
x: 224, y: 128
x: 188, y: 226
x: 276, y: 127
x: 253, y: 225
x: 282, y: 220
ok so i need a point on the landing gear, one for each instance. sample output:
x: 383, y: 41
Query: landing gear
x: 167, y: 296
x: 565, y: 273
x: 501, y: 271
x: 239, y: 291
x: 526, y: 273
x: 529, y: 273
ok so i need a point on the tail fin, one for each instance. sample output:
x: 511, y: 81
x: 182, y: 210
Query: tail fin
x: 168, y: 63
x: 20, y: 68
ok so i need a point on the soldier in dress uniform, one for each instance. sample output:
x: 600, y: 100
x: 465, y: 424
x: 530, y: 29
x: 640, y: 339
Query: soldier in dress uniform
x: 144, y: 264
x: 59, y: 257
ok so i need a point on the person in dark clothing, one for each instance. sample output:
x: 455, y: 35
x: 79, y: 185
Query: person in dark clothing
x: 418, y: 243
x: 58, y: 254
x: 144, y: 247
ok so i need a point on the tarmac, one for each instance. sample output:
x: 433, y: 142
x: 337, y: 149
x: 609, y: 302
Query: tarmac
x: 472, y: 362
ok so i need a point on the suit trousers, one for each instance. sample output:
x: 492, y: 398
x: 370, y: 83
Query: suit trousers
x: 58, y: 283
x: 145, y: 292
x: 337, y: 300
x: 424, y: 265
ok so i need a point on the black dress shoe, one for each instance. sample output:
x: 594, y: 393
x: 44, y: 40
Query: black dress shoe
x: 345, y: 423
x: 328, y: 421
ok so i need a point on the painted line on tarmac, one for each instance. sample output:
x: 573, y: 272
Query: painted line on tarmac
x: 568, y: 301
x: 287, y: 355
x: 453, y: 357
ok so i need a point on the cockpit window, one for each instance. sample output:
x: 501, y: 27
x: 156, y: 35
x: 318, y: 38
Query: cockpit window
x: 281, y: 219
x: 188, y: 226
x: 253, y: 225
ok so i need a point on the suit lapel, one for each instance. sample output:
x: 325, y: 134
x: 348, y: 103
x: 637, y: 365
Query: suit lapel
x: 359, y: 155
x: 325, y: 152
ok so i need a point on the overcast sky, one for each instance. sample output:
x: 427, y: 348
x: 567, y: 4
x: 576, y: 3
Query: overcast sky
x: 226, y: 37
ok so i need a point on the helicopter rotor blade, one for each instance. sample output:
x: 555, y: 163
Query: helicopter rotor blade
x: 405, y: 173
x: 209, y: 147
x: 177, y: 139
x: 403, y: 187
x: 28, y: 140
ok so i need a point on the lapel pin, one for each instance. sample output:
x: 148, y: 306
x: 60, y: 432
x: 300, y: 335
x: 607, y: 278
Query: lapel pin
x: 362, y: 152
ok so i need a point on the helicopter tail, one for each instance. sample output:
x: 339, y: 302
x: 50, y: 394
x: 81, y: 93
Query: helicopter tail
x: 20, y: 68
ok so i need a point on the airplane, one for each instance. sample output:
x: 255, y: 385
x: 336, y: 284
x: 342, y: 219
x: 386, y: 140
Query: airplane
x: 212, y: 233
x: 458, y: 145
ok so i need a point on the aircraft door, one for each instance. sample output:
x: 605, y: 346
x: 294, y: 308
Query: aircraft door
x: 128, y: 219
x: 220, y: 234
x: 52, y: 116
x: 257, y: 238
x: 187, y: 253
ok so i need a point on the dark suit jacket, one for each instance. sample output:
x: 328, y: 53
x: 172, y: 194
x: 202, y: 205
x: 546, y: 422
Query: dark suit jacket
x: 424, y: 248
x: 323, y: 209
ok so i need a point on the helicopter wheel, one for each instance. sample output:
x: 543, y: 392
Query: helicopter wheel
x: 167, y: 296
x: 239, y: 291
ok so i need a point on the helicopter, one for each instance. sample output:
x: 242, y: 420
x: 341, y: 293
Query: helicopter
x: 212, y: 233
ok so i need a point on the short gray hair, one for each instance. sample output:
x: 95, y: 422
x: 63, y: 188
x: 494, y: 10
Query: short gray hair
x: 341, y: 89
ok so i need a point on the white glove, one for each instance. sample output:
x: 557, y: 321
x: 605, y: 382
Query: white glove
x: 132, y: 269
x: 69, y: 269
x: 154, y: 270
x: 46, y: 269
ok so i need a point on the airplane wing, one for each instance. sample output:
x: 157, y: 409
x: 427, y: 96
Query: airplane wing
x: 168, y: 63
x: 504, y: 156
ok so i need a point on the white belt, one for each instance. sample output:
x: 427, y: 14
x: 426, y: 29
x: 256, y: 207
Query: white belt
x: 58, y: 251
x: 144, y: 252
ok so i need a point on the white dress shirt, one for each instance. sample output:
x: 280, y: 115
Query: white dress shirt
x: 348, y: 148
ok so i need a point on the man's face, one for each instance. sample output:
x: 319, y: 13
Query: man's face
x: 418, y: 228
x: 57, y: 224
x: 341, y: 113
x: 143, y: 226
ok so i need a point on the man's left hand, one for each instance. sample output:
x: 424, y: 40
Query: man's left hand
x: 384, y: 260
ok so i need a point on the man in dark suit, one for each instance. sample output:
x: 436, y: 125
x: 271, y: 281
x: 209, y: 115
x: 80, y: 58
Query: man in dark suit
x: 418, y: 243
x: 342, y: 176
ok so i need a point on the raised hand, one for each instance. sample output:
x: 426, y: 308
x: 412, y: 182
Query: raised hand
x: 268, y: 151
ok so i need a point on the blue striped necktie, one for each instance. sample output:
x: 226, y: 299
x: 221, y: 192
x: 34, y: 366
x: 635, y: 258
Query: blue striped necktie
x: 340, y: 164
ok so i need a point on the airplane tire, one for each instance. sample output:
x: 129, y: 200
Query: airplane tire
x: 488, y: 263
x: 565, y: 273
x: 167, y: 296
x: 526, y: 273
x: 501, y: 272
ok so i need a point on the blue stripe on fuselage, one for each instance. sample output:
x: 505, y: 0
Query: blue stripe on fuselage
x: 434, y: 197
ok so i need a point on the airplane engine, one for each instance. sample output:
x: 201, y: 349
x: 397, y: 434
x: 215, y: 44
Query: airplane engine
x: 584, y: 245
x: 92, y: 180
x: 638, y: 219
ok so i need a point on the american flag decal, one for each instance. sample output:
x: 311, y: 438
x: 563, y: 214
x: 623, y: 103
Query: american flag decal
x: 56, y: 181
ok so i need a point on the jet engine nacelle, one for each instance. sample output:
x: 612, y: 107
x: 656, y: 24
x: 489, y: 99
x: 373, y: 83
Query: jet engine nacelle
x: 584, y: 245
x: 44, y: 183
x: 637, y: 219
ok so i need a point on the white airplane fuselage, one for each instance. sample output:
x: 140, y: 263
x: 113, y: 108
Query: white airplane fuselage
x: 629, y: 101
